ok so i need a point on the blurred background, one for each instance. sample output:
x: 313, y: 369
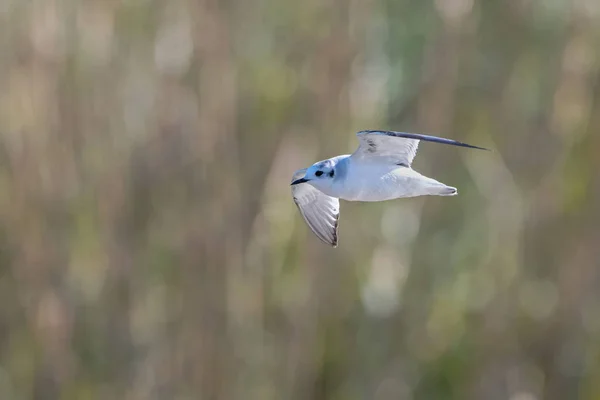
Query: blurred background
x: 150, y: 247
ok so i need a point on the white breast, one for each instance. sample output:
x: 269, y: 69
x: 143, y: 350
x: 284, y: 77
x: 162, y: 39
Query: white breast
x: 378, y: 182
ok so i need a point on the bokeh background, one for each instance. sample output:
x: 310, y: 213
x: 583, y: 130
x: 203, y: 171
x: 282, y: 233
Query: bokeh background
x: 150, y: 248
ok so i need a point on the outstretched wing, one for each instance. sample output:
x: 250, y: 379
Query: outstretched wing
x: 397, y: 147
x: 321, y: 212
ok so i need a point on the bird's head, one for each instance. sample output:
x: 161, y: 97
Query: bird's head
x: 319, y: 175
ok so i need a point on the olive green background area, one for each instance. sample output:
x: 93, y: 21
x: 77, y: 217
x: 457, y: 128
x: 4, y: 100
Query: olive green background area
x: 150, y: 247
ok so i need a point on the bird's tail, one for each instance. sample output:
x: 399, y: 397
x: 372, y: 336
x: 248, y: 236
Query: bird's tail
x: 446, y: 191
x: 435, y: 188
x: 431, y: 187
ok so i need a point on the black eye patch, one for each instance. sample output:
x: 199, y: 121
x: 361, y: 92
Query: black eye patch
x: 318, y: 173
x: 331, y: 173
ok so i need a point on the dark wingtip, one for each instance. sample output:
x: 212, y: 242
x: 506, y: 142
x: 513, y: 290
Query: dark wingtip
x: 334, y: 243
x: 476, y: 147
x: 426, y: 138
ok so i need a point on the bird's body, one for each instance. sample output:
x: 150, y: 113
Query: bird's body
x: 380, y: 169
x: 379, y: 182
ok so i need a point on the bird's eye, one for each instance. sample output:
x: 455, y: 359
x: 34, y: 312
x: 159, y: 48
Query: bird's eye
x: 331, y: 173
x: 319, y: 173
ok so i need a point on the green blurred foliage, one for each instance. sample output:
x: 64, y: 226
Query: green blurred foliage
x: 150, y: 248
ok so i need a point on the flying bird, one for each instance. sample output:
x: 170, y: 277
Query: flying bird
x: 380, y: 169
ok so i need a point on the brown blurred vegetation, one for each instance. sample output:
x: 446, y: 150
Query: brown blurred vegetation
x: 150, y: 249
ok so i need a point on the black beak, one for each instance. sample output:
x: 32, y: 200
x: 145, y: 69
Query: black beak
x: 301, y: 180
